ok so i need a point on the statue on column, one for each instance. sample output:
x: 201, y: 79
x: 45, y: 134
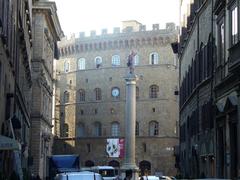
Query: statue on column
x: 130, y: 62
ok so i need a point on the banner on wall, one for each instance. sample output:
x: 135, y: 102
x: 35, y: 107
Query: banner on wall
x: 115, y: 148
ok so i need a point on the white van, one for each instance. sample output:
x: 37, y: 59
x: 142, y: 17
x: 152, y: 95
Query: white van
x: 84, y: 175
x: 107, y: 172
x: 149, y: 178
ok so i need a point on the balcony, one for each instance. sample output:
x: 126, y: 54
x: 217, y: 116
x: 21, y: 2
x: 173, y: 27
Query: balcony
x: 234, y: 58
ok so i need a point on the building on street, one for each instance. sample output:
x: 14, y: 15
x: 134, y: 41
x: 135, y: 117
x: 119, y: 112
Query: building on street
x: 29, y: 31
x: 15, y: 89
x: 90, y: 96
x: 209, y: 57
x: 46, y: 32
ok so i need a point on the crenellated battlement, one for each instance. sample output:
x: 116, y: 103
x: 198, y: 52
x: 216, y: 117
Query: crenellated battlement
x: 133, y: 35
x: 128, y: 27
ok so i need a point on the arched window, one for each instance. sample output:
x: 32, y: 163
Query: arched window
x: 115, y: 129
x: 137, y: 129
x: 80, y: 130
x: 66, y: 97
x: 153, y: 128
x: 65, y: 130
x: 98, y: 61
x: 97, y: 129
x: 81, y: 63
x: 137, y: 92
x: 136, y: 60
x: 153, y: 91
x: 81, y: 95
x: 115, y: 60
x: 153, y: 58
x: 66, y: 67
x: 98, y: 94
x: 145, y: 167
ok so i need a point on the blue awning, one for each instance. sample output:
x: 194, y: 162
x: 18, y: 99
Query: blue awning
x: 65, y: 161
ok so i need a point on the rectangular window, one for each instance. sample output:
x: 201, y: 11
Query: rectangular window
x: 222, y: 42
x: 81, y: 64
x: 144, y: 147
x: 88, y: 148
x: 194, y: 73
x: 234, y: 23
x: 1, y: 12
x: 137, y: 129
x: 206, y: 64
x: 115, y: 129
x: 5, y: 15
x: 81, y: 112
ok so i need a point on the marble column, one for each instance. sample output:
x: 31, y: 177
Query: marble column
x: 129, y: 165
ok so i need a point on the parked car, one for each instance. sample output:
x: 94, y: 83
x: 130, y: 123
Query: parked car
x: 149, y: 178
x: 107, y: 172
x: 83, y: 175
x: 165, y: 177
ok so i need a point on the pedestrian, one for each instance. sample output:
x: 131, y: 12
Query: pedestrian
x: 128, y: 175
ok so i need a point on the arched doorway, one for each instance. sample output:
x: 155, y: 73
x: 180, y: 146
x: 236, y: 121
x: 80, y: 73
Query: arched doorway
x: 116, y: 165
x: 145, y: 167
x: 89, y: 163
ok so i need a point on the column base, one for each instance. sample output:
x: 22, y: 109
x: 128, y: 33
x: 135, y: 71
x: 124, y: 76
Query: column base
x: 130, y: 172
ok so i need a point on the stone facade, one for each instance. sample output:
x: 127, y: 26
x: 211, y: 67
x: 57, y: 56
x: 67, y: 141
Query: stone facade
x: 197, y: 135
x: 78, y: 107
x: 226, y: 89
x: 15, y: 85
x: 209, y: 90
x: 46, y: 33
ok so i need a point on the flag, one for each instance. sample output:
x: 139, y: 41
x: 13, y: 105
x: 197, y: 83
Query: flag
x: 115, y: 148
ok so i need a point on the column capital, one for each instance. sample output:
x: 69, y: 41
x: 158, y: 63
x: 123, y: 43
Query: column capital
x: 131, y: 77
